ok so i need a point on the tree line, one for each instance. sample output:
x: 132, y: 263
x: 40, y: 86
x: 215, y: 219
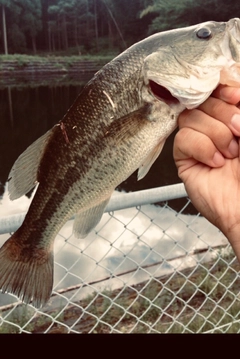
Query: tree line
x: 98, y: 26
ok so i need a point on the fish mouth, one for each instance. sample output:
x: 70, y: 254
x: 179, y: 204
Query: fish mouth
x: 230, y: 74
x: 162, y: 93
x: 234, y: 29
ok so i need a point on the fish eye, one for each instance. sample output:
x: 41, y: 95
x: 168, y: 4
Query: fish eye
x: 204, y: 33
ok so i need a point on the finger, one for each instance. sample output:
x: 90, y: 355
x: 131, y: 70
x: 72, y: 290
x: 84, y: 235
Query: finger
x: 193, y: 145
x: 218, y: 132
x: 224, y: 112
x: 228, y: 94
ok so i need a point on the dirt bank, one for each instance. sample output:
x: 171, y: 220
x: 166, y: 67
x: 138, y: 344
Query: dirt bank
x: 7, y: 68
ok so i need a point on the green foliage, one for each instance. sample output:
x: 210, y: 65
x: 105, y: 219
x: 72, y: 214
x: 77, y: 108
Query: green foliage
x: 57, y: 25
x: 5, y: 2
x: 92, y: 26
x: 23, y: 22
x: 174, y: 13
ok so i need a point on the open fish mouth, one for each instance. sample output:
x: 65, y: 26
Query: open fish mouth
x: 198, y: 88
x: 162, y: 93
x: 234, y: 28
x: 230, y: 74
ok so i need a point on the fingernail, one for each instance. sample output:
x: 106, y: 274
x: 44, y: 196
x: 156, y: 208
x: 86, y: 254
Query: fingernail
x: 218, y: 159
x: 233, y: 148
x: 235, y: 122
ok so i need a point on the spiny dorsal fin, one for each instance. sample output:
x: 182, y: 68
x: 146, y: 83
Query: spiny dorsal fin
x: 85, y: 221
x: 23, y: 175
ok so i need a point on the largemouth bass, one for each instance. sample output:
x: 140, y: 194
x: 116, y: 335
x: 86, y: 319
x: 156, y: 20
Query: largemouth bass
x: 118, y: 124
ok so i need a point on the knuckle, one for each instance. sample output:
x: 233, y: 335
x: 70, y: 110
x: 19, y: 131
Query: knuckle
x: 222, y: 135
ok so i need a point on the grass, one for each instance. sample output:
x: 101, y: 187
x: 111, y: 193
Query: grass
x: 13, y: 66
x: 196, y: 300
x: 23, y: 60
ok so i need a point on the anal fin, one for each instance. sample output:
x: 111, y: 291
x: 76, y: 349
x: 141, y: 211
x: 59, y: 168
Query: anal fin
x: 85, y: 221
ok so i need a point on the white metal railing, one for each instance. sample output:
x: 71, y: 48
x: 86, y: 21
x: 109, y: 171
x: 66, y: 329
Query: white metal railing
x: 118, y: 201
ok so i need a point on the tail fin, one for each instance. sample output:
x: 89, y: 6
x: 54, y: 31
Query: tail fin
x: 26, y: 272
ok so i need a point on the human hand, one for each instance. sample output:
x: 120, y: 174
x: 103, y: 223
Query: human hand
x: 206, y: 153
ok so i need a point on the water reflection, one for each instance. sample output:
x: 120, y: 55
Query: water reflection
x: 27, y: 113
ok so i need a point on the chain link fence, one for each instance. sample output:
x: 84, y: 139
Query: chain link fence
x: 144, y: 269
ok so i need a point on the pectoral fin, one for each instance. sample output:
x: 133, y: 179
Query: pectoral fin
x: 85, y: 221
x: 150, y: 159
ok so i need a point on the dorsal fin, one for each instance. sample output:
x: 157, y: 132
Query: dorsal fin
x: 23, y: 175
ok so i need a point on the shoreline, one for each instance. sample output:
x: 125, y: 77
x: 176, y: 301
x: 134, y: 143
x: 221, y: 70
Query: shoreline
x: 25, y: 64
x: 34, y: 70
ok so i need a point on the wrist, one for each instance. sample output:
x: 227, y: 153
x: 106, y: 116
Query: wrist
x: 233, y: 235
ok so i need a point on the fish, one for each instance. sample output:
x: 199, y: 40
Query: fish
x: 118, y: 124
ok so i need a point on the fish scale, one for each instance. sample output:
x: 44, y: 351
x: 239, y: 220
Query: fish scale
x: 118, y: 124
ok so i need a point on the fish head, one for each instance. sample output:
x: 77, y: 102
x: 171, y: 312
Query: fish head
x: 187, y: 64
